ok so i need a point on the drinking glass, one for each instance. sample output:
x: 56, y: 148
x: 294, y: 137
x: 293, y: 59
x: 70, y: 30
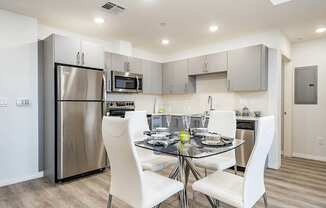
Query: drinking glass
x: 186, y: 122
x: 168, y: 120
x: 203, y: 121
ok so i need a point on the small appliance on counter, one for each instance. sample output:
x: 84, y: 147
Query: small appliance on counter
x: 119, y: 108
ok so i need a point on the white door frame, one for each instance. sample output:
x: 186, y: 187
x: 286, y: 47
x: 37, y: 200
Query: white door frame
x: 288, y: 104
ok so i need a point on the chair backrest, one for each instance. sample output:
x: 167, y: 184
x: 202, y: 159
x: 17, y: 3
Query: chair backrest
x: 126, y: 172
x: 138, y: 123
x: 222, y: 122
x: 254, y: 186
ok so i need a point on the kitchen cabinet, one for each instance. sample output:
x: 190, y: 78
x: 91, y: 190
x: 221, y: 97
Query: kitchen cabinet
x: 119, y: 62
x: 197, y: 65
x: 92, y: 55
x: 212, y: 63
x: 248, y: 69
x: 135, y: 65
x: 152, y: 77
x: 77, y: 52
x: 176, y: 79
x: 66, y: 50
x: 217, y: 62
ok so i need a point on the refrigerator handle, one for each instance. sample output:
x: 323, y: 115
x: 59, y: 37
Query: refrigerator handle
x: 137, y: 84
x: 104, y: 86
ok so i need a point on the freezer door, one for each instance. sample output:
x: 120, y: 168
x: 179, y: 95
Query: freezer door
x: 80, y: 146
x: 74, y: 83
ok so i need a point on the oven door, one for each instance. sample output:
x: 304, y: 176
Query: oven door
x: 126, y: 82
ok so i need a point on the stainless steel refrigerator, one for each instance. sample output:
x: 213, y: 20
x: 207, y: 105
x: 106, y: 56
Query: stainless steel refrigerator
x: 79, y: 110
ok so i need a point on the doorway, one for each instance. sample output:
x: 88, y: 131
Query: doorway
x: 286, y: 108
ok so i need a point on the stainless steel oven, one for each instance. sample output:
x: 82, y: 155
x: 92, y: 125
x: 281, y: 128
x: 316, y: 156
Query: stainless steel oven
x: 126, y: 82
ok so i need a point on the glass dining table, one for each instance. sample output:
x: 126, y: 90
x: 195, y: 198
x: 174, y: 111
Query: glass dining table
x: 187, y: 152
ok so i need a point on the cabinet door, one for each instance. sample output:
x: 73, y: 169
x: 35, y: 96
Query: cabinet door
x: 67, y: 50
x: 168, y: 77
x: 107, y: 61
x: 156, y: 78
x: 248, y: 69
x: 119, y: 62
x: 152, y: 77
x: 217, y: 62
x: 135, y: 65
x: 180, y: 81
x: 92, y: 55
x: 197, y: 65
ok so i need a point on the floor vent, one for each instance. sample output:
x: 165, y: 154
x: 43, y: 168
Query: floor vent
x: 113, y: 8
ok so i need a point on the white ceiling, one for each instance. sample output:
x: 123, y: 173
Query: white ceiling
x: 187, y: 20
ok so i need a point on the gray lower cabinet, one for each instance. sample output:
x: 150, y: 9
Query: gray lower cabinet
x: 212, y: 63
x: 152, y: 77
x: 248, y: 69
x: 176, y: 79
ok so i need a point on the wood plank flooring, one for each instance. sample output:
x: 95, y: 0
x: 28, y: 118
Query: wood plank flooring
x: 298, y: 184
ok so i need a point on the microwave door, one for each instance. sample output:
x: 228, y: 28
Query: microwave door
x: 125, y: 84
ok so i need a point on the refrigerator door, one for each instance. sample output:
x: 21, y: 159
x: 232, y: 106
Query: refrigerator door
x: 80, y: 145
x: 74, y: 83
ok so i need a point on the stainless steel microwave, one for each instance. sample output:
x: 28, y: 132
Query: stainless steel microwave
x: 126, y: 82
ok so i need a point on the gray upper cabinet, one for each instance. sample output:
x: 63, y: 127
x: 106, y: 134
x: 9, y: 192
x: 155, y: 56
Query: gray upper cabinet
x: 119, y: 62
x: 212, y: 63
x: 176, y: 79
x: 152, y: 77
x: 217, y: 62
x: 197, y: 65
x: 168, y: 78
x: 107, y: 61
x: 77, y: 52
x: 92, y: 55
x: 135, y: 65
x: 248, y: 69
x: 66, y: 50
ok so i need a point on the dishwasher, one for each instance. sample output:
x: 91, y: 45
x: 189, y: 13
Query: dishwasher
x: 245, y: 131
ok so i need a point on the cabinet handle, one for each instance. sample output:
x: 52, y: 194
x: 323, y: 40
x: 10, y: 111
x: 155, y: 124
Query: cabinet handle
x: 83, y: 59
x: 78, y: 58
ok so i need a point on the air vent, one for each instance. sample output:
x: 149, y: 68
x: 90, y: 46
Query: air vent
x: 113, y: 8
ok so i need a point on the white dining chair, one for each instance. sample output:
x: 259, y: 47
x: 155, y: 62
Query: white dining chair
x: 224, y: 123
x: 237, y: 191
x: 149, y: 160
x: 129, y: 183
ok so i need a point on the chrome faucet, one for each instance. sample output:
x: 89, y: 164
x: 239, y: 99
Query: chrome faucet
x: 210, y: 103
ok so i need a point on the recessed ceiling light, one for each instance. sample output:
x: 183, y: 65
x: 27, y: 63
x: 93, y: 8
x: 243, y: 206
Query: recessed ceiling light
x: 213, y: 28
x: 321, y: 30
x: 165, y: 41
x: 277, y: 2
x: 98, y: 20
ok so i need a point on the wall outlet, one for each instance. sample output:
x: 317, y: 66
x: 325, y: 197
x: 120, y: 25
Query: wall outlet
x: 3, y: 102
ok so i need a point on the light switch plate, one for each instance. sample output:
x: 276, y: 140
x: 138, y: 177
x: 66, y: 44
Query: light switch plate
x: 20, y: 102
x: 3, y: 102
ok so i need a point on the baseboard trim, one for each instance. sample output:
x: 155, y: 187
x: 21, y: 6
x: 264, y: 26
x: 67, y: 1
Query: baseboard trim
x: 21, y: 179
x: 309, y: 157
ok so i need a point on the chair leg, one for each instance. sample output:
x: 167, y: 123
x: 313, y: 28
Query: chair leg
x: 235, y: 169
x: 265, y: 200
x: 205, y: 172
x: 217, y: 203
x: 109, y: 201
